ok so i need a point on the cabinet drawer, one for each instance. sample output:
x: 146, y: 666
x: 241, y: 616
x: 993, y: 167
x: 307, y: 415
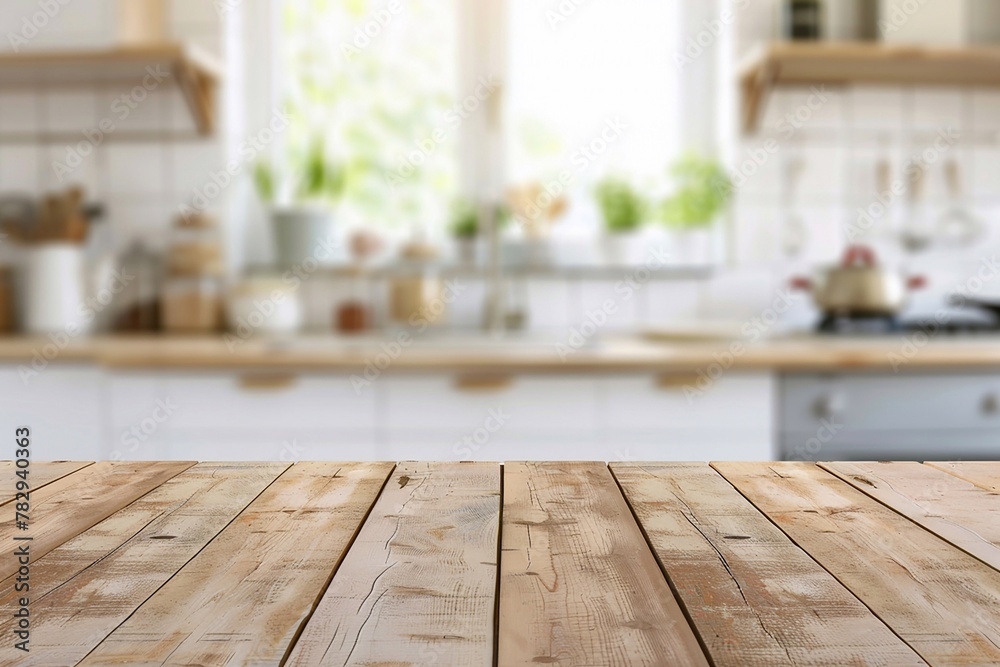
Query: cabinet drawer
x: 736, y: 402
x: 931, y: 445
x: 890, y: 402
x: 461, y: 404
x: 266, y: 401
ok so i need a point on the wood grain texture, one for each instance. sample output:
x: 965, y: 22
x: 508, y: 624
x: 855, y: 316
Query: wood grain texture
x: 984, y: 474
x: 941, y: 601
x: 41, y: 474
x: 755, y: 598
x: 84, y: 589
x: 66, y: 507
x: 579, y: 585
x: 418, y: 587
x: 948, y: 506
x: 244, y: 598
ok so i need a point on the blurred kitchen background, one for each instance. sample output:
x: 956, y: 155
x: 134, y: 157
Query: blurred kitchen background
x: 501, y: 229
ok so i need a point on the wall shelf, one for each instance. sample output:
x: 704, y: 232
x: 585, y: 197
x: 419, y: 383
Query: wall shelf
x: 402, y: 269
x: 840, y: 63
x: 196, y: 72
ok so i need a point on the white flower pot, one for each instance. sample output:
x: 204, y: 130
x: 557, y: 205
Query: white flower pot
x: 695, y: 247
x: 620, y: 249
x: 302, y: 234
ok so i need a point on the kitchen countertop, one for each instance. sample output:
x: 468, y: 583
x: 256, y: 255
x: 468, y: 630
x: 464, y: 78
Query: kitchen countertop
x: 481, y: 564
x: 477, y: 354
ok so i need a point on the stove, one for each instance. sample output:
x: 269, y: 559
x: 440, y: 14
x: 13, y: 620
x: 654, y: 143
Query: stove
x: 950, y: 321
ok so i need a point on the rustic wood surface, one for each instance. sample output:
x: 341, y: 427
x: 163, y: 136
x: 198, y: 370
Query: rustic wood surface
x: 579, y: 585
x: 948, y: 506
x: 577, y: 564
x: 68, y: 506
x: 941, y: 601
x: 419, y: 583
x: 92, y: 583
x: 742, y: 579
x: 242, y: 599
x: 42, y: 473
x: 984, y: 474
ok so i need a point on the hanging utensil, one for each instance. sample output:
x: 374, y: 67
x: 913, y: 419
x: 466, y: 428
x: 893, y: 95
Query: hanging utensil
x: 794, y: 233
x: 958, y: 226
x: 915, y: 235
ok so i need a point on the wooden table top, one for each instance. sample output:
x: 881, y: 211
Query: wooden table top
x: 466, y: 564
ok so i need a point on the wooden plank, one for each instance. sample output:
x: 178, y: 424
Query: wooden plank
x: 951, y: 508
x: 65, y: 508
x: 938, y: 599
x: 579, y: 585
x: 418, y: 587
x: 244, y: 598
x: 41, y: 473
x: 984, y: 474
x: 754, y: 596
x: 83, y: 590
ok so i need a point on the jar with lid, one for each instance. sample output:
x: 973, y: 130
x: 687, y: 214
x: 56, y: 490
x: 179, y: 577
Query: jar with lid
x: 139, y: 309
x: 192, y: 298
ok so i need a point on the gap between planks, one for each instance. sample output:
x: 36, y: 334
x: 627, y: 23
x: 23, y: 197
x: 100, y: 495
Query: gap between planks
x: 753, y: 596
x: 879, y: 555
x: 956, y: 510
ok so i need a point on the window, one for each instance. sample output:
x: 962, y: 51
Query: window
x: 571, y: 72
x: 588, y: 87
x: 376, y: 80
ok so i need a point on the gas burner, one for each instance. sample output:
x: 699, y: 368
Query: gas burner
x: 859, y: 325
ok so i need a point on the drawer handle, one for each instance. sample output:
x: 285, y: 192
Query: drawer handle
x: 266, y: 382
x: 676, y: 381
x: 485, y: 383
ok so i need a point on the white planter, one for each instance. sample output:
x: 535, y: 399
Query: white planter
x: 471, y: 251
x: 304, y: 234
x: 620, y: 249
x: 695, y: 247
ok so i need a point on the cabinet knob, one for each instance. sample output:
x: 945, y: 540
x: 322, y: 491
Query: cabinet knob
x: 990, y: 405
x: 829, y: 406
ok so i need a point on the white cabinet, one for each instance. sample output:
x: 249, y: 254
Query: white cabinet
x: 62, y: 404
x: 240, y: 416
x: 680, y: 417
x: 83, y: 412
x: 467, y: 417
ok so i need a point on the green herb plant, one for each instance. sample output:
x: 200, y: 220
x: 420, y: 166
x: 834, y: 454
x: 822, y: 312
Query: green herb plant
x: 704, y: 190
x: 622, y: 208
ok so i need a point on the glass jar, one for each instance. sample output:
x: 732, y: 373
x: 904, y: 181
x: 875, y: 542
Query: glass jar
x: 139, y: 309
x: 192, y: 304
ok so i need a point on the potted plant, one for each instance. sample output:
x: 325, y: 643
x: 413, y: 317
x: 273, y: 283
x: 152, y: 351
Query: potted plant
x: 536, y: 211
x: 302, y: 203
x: 465, y: 228
x: 622, y: 210
x: 703, y: 191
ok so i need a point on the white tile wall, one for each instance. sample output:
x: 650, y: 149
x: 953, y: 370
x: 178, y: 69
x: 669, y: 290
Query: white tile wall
x: 141, y: 182
x: 840, y: 146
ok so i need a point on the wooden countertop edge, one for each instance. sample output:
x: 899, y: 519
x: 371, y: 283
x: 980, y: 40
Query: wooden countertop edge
x: 625, y: 356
